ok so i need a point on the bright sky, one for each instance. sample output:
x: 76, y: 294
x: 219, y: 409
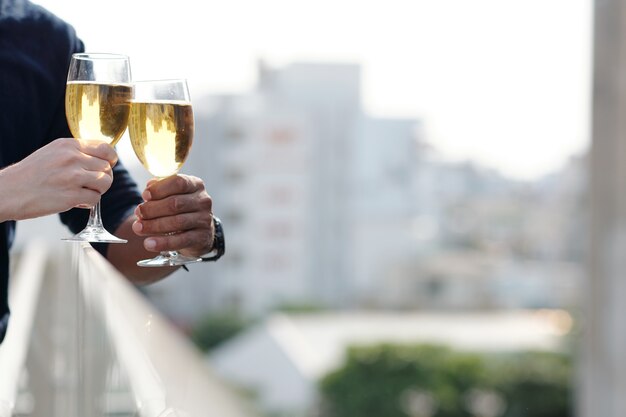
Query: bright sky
x: 503, y: 82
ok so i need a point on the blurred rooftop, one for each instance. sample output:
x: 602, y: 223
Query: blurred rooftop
x: 282, y: 358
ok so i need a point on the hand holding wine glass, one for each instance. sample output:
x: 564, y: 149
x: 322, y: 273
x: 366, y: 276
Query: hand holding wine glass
x: 63, y: 174
x: 177, y: 211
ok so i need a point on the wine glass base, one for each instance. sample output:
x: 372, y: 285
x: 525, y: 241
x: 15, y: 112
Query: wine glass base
x: 168, y: 260
x: 95, y: 235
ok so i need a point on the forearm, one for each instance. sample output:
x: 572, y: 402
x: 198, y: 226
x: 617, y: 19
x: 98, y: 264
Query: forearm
x: 8, y: 204
x: 125, y: 256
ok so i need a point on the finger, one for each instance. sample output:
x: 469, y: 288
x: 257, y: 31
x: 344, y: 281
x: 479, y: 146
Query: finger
x: 176, y: 204
x: 176, y: 184
x: 83, y: 198
x: 152, y: 181
x: 190, y: 239
x: 173, y: 224
x: 99, y: 182
x: 93, y: 163
x: 146, y: 194
x: 99, y: 149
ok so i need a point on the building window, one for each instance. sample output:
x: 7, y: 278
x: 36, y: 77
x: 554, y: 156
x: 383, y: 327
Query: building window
x: 233, y: 217
x: 435, y: 287
x: 276, y: 261
x: 234, y: 134
x: 278, y: 229
x: 282, y: 136
x: 280, y: 195
x: 234, y: 175
x: 234, y: 258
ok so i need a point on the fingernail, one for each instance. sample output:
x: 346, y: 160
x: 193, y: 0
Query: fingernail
x: 146, y: 195
x: 149, y: 244
x: 137, y: 227
x: 138, y: 212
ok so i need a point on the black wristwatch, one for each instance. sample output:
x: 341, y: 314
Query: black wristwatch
x: 219, y: 246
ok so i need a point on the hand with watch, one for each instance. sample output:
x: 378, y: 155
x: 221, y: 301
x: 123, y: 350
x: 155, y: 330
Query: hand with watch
x: 177, y: 215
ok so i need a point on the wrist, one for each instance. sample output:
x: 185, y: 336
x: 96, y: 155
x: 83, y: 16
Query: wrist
x: 8, y: 206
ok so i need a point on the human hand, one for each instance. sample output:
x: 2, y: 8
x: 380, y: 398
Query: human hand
x: 176, y: 215
x: 65, y: 173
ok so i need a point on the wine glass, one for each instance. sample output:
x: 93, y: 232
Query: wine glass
x: 97, y: 105
x: 161, y: 131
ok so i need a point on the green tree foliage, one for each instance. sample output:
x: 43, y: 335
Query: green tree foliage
x: 534, y: 384
x: 214, y: 328
x: 400, y: 381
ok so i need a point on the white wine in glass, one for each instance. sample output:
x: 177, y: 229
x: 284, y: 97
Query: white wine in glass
x: 161, y: 130
x: 97, y: 106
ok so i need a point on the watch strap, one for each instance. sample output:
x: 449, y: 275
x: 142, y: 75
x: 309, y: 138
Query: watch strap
x: 219, y: 245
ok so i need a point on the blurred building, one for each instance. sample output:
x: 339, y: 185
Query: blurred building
x: 326, y: 206
x: 486, y: 241
x: 479, y: 280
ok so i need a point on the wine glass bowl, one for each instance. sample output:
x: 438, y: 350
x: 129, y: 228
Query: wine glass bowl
x: 161, y: 128
x: 98, y: 111
x: 97, y: 106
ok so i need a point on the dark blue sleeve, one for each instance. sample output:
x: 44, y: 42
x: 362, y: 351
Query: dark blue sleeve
x: 4, y: 282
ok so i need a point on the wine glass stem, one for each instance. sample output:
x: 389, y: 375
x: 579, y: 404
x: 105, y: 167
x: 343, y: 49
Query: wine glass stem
x: 95, y: 219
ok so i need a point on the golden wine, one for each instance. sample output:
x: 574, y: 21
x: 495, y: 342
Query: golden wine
x: 161, y: 133
x: 97, y: 111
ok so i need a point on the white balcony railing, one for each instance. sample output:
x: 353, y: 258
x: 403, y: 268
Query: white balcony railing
x: 83, y: 342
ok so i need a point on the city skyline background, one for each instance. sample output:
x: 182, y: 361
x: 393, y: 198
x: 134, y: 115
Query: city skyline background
x: 493, y: 82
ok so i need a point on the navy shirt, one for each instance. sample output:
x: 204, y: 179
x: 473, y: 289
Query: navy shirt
x: 35, y: 51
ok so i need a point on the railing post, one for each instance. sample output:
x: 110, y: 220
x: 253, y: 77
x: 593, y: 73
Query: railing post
x: 603, y: 369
